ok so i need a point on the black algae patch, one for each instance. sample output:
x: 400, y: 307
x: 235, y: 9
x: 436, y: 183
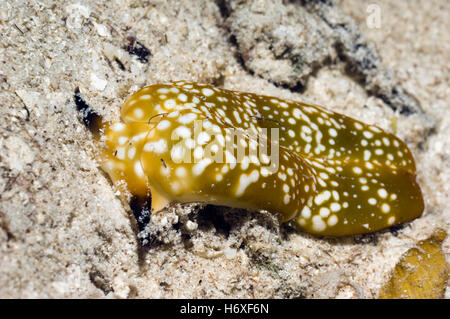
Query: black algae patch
x: 90, y: 118
x: 136, y: 48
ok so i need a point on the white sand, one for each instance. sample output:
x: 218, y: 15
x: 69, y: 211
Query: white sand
x: 65, y: 233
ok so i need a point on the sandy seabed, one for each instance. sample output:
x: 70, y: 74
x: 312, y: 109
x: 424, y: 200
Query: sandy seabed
x: 64, y: 232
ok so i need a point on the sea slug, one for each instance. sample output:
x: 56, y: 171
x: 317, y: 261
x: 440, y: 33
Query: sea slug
x: 188, y: 142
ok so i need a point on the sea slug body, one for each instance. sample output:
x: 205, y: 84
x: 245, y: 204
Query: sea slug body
x: 331, y: 174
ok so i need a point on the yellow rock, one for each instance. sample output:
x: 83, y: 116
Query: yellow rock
x: 421, y: 273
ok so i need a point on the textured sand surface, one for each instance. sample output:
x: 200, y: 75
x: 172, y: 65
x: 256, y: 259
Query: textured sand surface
x: 64, y: 232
